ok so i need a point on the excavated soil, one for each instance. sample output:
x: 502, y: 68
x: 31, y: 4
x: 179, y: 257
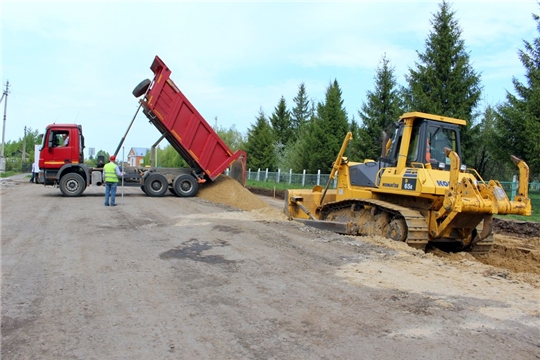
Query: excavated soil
x: 227, y: 191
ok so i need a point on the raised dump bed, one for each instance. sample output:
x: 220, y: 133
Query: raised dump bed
x: 185, y: 128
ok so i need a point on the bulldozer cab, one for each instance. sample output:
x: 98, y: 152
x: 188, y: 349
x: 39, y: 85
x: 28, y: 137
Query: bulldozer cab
x: 420, y: 140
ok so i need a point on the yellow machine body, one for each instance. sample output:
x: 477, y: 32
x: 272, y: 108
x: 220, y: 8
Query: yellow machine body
x: 418, y: 192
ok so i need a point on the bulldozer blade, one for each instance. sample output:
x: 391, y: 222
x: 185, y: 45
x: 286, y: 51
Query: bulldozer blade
x: 338, y: 227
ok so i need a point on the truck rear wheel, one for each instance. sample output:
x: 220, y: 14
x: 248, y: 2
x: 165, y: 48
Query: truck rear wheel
x: 185, y: 185
x: 72, y: 184
x: 155, y: 185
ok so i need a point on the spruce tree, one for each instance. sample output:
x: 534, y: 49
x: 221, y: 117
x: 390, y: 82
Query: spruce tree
x: 444, y: 82
x: 294, y: 154
x: 379, y: 113
x: 260, y: 145
x: 327, y: 131
x: 518, y: 119
x: 354, y: 150
x: 281, y: 122
x: 300, y: 114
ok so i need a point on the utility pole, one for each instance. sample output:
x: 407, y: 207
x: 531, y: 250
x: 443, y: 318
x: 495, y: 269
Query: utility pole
x: 24, y: 147
x: 2, y: 158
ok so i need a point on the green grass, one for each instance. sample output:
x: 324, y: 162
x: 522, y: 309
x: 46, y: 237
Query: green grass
x: 535, y: 216
x: 8, y: 174
x: 272, y: 185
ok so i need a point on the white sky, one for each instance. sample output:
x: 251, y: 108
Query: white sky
x: 75, y: 62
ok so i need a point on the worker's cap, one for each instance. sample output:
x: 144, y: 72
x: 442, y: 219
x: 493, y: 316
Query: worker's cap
x: 112, y: 158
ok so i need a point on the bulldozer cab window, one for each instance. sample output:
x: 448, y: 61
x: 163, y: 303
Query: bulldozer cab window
x: 392, y: 153
x: 413, y: 154
x: 438, y: 139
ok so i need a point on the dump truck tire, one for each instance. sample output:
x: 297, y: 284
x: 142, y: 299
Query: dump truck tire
x: 185, y: 185
x: 140, y: 89
x: 72, y: 185
x: 155, y: 185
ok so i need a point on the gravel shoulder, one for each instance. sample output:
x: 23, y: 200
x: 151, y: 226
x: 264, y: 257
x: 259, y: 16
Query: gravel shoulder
x: 198, y: 278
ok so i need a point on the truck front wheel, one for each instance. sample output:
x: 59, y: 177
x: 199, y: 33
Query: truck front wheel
x: 155, y: 185
x: 185, y: 185
x: 72, y: 184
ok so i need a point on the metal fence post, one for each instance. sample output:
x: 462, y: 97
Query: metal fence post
x: 514, y: 187
x: 304, y: 177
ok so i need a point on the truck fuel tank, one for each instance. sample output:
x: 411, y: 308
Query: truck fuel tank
x: 97, y: 178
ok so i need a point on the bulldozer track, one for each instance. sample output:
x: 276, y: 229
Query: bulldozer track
x: 417, y: 228
x: 483, y: 247
x: 418, y: 234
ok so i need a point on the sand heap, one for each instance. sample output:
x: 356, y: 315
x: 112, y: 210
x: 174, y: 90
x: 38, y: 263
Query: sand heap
x: 226, y: 190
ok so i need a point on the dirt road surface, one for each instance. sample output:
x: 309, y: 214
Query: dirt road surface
x: 196, y: 278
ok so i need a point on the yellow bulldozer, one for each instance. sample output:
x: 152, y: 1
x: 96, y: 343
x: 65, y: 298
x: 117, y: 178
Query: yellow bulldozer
x: 418, y: 192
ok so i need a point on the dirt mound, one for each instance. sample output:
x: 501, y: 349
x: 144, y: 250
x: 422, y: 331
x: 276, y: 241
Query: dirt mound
x: 225, y: 190
x: 516, y: 254
x: 514, y: 227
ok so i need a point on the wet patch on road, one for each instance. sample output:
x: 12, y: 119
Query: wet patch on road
x: 193, y: 249
x: 228, y: 229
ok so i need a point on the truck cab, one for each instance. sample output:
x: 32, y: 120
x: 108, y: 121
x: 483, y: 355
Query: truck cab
x: 62, y: 152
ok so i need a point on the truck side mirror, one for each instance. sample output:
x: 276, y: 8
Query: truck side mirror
x: 51, y: 140
x: 100, y: 161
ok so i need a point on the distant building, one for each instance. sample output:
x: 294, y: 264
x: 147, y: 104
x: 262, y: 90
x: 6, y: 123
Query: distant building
x: 136, y: 156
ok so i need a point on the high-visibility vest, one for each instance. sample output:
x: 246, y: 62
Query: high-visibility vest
x: 109, y: 172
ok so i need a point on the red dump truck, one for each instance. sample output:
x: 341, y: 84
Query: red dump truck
x: 61, y: 162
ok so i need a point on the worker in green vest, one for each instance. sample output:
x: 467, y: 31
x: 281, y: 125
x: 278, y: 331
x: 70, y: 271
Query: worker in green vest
x: 111, y: 173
